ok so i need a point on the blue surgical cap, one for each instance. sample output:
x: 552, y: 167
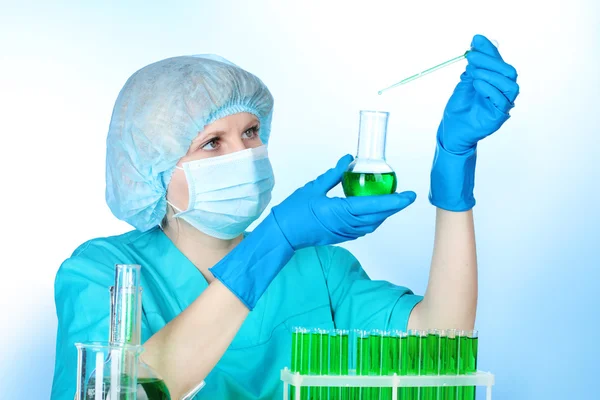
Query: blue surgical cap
x: 158, y: 113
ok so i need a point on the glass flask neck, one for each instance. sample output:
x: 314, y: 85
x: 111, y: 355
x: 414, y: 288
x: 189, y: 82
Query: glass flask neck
x: 126, y: 306
x: 372, y: 135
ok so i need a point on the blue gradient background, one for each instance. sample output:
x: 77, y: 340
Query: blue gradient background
x: 537, y: 218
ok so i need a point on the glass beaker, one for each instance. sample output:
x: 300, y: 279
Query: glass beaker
x: 107, y: 371
x: 369, y: 174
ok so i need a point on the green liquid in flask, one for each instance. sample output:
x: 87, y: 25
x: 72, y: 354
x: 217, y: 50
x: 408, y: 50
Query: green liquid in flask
x: 368, y: 184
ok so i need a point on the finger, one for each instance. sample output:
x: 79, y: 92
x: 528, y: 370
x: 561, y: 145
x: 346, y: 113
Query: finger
x: 358, y: 221
x: 496, y: 97
x: 360, y: 230
x: 508, y: 87
x: 325, y: 182
x: 366, y: 229
x: 360, y: 205
x: 485, y: 61
x: 484, y: 45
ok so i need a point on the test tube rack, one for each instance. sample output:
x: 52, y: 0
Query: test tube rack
x: 297, y: 381
x: 384, y: 365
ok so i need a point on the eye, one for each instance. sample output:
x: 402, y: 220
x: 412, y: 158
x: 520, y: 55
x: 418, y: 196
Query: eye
x: 211, y: 145
x: 250, y: 133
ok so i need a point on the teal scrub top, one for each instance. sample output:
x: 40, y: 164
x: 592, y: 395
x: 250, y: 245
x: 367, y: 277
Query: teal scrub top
x: 320, y: 287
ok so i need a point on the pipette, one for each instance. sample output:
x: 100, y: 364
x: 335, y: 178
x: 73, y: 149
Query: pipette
x: 430, y: 70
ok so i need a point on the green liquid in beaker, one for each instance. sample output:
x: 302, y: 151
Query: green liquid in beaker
x: 368, y: 184
x: 147, y: 389
x: 153, y: 389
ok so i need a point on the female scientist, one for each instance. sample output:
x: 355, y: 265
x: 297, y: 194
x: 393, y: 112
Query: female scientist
x: 187, y: 166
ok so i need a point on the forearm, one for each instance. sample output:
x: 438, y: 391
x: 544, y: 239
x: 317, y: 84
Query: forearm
x: 450, y: 300
x: 189, y: 346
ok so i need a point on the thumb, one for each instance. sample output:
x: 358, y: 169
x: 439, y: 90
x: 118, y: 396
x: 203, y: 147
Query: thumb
x: 325, y: 182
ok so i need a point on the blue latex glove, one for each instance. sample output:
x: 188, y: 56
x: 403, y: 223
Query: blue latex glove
x: 306, y: 218
x: 478, y: 107
x: 309, y: 218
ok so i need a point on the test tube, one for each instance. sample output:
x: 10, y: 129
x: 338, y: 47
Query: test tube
x: 413, y: 363
x: 430, y: 361
x: 376, y: 358
x: 319, y: 361
x: 467, y: 361
x: 389, y: 360
x: 125, y: 325
x: 338, y: 361
x: 300, y: 358
x: 403, y: 363
x: 448, y: 361
x: 362, y: 364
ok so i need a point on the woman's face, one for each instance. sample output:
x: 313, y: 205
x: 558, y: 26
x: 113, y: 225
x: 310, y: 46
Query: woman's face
x: 224, y: 136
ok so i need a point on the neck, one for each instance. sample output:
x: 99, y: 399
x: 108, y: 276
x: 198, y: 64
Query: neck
x: 202, y: 250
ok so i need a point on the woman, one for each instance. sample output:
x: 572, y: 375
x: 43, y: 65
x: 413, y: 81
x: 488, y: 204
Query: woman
x: 187, y: 166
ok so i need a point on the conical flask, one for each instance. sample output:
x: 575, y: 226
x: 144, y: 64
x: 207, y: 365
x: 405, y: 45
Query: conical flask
x: 369, y: 174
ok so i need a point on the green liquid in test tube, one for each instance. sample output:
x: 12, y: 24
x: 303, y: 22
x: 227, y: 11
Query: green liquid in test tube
x: 467, y: 361
x: 338, y: 362
x: 362, y: 364
x: 375, y: 359
x: 448, y: 362
x: 413, y: 355
x: 403, y: 364
x: 300, y: 358
x: 296, y: 355
x: 430, y: 357
x: 390, y: 360
x: 319, y: 361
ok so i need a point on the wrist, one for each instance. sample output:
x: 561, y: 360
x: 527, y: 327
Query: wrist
x: 453, y: 179
x: 253, y: 264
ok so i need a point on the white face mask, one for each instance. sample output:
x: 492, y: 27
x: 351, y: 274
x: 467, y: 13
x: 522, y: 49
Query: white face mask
x: 227, y: 193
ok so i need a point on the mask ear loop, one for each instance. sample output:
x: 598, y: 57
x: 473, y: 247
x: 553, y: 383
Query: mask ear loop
x: 171, y: 204
x: 175, y: 208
